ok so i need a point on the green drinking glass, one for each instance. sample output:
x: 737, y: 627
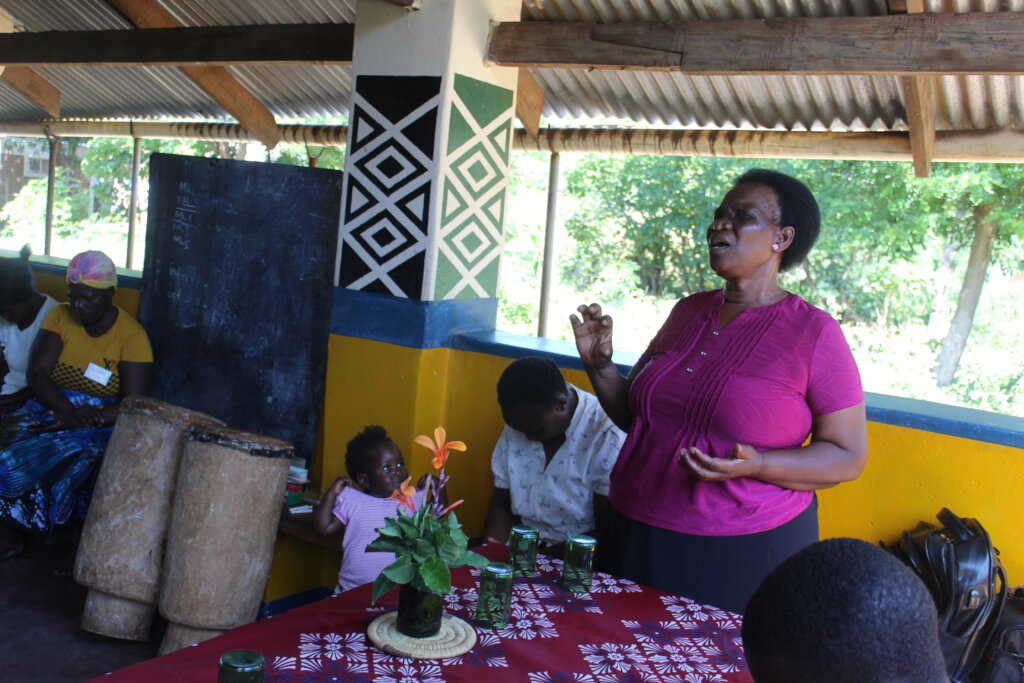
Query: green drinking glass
x: 240, y: 666
x: 577, y: 567
x: 522, y: 550
x: 494, y: 604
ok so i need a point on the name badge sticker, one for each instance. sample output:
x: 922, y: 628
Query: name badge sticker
x: 98, y: 374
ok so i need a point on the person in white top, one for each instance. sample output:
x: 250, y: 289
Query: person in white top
x: 22, y: 310
x: 552, y: 461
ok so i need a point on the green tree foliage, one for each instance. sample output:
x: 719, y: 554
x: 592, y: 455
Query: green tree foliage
x: 892, y: 251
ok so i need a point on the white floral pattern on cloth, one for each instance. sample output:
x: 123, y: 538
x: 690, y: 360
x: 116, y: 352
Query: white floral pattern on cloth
x: 685, y: 609
x: 335, y: 646
x: 487, y: 652
x: 674, y: 640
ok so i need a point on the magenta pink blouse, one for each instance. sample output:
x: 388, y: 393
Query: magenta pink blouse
x: 761, y: 380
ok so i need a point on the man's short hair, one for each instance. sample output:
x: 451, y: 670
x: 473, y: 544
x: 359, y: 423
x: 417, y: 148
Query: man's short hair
x: 842, y: 610
x: 530, y: 381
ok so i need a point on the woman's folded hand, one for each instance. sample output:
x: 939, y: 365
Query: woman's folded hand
x: 745, y: 462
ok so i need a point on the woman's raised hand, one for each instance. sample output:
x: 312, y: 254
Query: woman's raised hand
x: 593, y: 332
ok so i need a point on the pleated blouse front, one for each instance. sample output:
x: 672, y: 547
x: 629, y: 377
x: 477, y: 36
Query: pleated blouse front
x: 761, y: 380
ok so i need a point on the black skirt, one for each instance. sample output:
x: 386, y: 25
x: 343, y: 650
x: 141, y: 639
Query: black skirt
x: 723, y: 571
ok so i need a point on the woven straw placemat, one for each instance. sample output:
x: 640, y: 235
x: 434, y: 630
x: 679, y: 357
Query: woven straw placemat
x: 454, y: 638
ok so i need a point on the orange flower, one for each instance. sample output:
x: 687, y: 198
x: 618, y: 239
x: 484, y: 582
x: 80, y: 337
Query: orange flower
x: 440, y: 447
x: 404, y: 494
x: 453, y: 505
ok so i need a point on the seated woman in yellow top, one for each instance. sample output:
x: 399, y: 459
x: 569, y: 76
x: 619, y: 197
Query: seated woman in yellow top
x: 89, y: 354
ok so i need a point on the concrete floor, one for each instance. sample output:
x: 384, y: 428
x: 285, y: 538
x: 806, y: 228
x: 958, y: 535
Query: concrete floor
x: 40, y: 639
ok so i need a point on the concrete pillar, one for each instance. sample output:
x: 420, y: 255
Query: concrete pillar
x: 428, y: 152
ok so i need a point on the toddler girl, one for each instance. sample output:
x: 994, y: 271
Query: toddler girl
x: 374, y: 463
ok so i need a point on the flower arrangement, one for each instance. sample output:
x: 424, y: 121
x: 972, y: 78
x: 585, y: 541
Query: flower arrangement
x: 428, y: 543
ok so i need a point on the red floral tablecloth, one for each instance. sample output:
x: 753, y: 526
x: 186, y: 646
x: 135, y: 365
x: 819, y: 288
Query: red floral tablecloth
x: 620, y: 631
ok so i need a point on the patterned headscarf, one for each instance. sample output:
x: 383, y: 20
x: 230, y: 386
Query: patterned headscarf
x: 92, y: 269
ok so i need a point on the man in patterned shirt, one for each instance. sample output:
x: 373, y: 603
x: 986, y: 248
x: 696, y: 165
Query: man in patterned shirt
x: 552, y: 461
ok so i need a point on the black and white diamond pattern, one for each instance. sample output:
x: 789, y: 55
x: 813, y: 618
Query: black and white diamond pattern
x: 388, y: 184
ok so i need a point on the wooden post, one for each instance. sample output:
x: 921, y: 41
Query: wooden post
x: 133, y: 201
x: 51, y: 181
x: 549, y: 246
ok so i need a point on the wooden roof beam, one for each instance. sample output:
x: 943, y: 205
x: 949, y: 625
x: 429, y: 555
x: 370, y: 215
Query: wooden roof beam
x: 908, y: 44
x: 206, y: 46
x: 40, y: 91
x: 215, y: 81
x: 529, y: 101
x: 37, y: 89
x: 919, y: 101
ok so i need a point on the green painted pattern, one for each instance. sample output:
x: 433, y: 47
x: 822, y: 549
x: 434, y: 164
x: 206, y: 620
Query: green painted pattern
x: 475, y: 186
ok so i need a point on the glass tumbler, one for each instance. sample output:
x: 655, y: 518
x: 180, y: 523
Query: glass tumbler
x: 522, y: 550
x: 240, y: 666
x: 577, y: 568
x: 494, y: 603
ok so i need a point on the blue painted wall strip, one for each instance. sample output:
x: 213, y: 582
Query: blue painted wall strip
x: 468, y: 325
x: 408, y: 322
x: 977, y: 425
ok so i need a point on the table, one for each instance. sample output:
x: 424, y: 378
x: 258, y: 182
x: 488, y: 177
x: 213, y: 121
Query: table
x: 619, y: 632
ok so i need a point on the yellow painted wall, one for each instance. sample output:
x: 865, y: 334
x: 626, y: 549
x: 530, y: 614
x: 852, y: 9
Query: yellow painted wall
x: 911, y: 474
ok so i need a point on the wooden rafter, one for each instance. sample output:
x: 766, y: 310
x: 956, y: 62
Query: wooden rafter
x: 215, y: 81
x: 919, y: 100
x: 529, y: 101
x: 908, y: 44
x: 29, y: 83
x: 40, y: 91
x: 203, y: 46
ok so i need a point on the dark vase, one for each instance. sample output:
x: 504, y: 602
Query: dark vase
x: 419, y: 613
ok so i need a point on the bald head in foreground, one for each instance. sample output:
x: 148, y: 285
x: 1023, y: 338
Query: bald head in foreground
x: 842, y: 610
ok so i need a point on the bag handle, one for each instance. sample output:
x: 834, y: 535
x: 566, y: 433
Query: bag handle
x: 956, y: 525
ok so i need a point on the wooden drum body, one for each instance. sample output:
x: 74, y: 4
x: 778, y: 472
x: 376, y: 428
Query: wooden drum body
x: 223, y: 529
x: 122, y: 547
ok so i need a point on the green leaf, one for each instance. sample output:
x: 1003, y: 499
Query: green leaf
x: 381, y: 586
x: 390, y: 528
x: 436, y: 576
x: 474, y: 559
x: 450, y: 550
x: 401, y: 570
x: 408, y: 528
x: 387, y: 545
x: 422, y: 549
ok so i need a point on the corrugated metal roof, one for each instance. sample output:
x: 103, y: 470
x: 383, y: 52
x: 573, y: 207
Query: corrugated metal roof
x: 582, y: 97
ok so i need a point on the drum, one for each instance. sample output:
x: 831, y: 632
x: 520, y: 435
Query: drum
x: 223, y: 529
x: 122, y: 547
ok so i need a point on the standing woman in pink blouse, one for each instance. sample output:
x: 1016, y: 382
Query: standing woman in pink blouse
x: 715, y: 483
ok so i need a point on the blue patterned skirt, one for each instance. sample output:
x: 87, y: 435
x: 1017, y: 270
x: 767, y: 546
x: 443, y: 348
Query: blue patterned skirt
x: 46, y: 478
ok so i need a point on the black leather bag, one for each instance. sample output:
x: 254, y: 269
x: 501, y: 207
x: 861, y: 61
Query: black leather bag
x: 961, y: 569
x: 1004, y: 662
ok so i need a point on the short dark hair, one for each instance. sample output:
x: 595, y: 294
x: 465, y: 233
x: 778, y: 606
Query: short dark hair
x: 529, y: 381
x: 799, y: 209
x: 17, y: 282
x: 357, y: 453
x: 844, y: 610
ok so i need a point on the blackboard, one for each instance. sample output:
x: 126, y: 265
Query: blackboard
x: 237, y: 290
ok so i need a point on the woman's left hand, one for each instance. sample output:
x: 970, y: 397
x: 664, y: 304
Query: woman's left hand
x: 745, y: 461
